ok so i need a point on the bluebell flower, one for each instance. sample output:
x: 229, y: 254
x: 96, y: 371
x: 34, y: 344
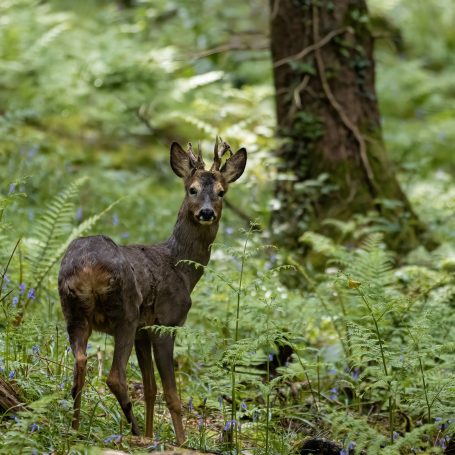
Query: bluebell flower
x: 342, y: 452
x: 79, y: 214
x: 395, y: 435
x: 229, y: 231
x: 333, y: 393
x: 270, y: 357
x: 35, y: 349
x: 355, y: 374
x: 11, y: 188
x: 437, y: 419
x: 229, y: 424
x: 351, y: 446
x: 243, y: 406
x: 22, y: 288
x: 34, y: 427
x: 15, y: 301
x: 31, y: 294
x: 113, y: 438
x: 12, y: 374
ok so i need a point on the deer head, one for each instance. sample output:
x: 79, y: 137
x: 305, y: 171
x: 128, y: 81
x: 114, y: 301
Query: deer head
x: 205, y: 189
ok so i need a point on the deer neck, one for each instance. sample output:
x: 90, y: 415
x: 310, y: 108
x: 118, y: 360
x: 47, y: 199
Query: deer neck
x: 191, y: 241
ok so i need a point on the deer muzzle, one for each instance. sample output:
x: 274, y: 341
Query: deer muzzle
x: 206, y: 216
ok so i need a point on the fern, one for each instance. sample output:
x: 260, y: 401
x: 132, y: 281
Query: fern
x: 50, y: 229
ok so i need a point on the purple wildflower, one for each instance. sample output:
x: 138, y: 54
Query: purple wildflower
x: 113, y: 438
x: 229, y: 231
x: 437, y: 419
x: 333, y: 393
x: 31, y: 294
x: 34, y: 427
x: 79, y: 214
x: 230, y: 424
x: 12, y: 374
x: 395, y: 435
x: 15, y: 301
x: 35, y: 349
x: 355, y: 374
x: 22, y: 288
x: 243, y: 406
x: 11, y: 188
x: 351, y: 446
x: 270, y: 357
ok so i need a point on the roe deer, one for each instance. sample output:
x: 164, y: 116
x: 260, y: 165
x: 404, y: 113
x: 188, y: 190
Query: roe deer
x: 121, y: 289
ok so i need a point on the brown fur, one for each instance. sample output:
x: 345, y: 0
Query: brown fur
x: 121, y: 289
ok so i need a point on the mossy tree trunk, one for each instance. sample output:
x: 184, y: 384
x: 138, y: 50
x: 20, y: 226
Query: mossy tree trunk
x: 333, y: 160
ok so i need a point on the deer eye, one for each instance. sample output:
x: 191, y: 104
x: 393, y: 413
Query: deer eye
x: 221, y: 193
x: 193, y: 190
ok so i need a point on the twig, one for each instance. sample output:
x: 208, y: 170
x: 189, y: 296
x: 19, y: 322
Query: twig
x: 336, y: 105
x: 140, y: 115
x: 239, y: 212
x: 313, y: 47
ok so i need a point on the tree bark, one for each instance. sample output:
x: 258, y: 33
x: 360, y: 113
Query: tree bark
x: 333, y: 162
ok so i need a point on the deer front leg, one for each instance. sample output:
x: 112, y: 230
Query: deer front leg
x: 163, y: 349
x: 143, y: 347
x: 116, y: 380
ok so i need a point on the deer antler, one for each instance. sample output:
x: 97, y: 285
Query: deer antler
x: 218, y: 153
x: 196, y: 161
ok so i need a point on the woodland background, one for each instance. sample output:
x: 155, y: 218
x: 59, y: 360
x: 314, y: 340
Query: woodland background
x: 344, y: 334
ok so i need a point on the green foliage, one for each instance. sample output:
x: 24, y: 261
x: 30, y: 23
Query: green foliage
x: 88, y: 89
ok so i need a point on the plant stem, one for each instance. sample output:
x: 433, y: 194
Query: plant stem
x: 384, y: 364
x: 236, y: 338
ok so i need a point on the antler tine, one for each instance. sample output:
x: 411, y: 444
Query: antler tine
x: 219, y: 152
x: 199, y: 155
x: 225, y: 147
x: 193, y: 159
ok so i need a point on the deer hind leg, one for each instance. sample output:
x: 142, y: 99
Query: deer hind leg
x: 116, y: 380
x: 78, y: 335
x: 143, y: 347
x: 163, y: 349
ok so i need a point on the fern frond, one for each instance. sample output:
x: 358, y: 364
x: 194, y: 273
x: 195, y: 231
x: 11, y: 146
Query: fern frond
x: 50, y: 228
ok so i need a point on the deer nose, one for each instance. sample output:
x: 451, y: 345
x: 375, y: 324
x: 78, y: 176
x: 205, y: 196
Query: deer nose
x: 206, y: 215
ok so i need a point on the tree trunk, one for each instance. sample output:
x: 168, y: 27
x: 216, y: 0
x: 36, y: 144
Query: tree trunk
x: 332, y: 160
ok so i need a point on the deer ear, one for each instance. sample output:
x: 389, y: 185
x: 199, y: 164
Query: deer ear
x: 180, y: 161
x: 233, y: 168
